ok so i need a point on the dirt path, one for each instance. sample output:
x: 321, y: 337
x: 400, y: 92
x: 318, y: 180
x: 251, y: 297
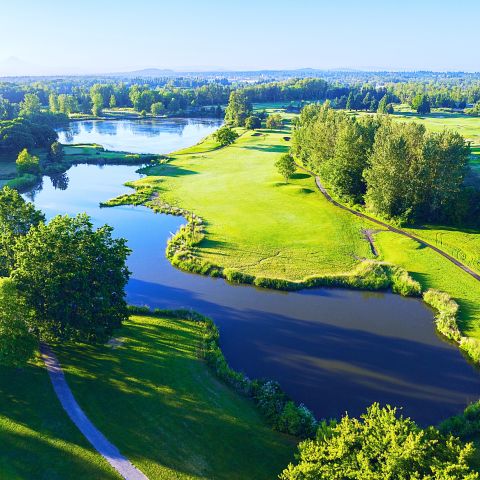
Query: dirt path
x: 109, y: 451
x: 389, y: 227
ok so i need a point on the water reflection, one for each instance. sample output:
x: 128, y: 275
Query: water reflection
x: 139, y: 136
x: 60, y: 181
x: 334, y: 350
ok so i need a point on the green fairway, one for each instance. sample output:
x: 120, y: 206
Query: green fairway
x: 255, y: 222
x: 261, y: 226
x: 434, y: 271
x: 163, y: 408
x: 37, y: 439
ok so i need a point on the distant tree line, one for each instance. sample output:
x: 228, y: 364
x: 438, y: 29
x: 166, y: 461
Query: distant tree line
x: 397, y: 170
x: 181, y: 96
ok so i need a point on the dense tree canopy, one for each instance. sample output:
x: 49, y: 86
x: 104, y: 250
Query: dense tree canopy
x: 397, y: 169
x: 381, y: 446
x: 238, y: 109
x: 72, y: 277
x: 16, y: 219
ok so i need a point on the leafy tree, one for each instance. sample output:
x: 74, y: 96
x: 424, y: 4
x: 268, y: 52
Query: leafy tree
x: 112, y: 102
x: 253, y: 122
x: 16, y: 218
x: 238, y: 109
x: 56, y: 154
x: 27, y: 163
x: 381, y: 446
x: 225, y: 136
x: 30, y: 106
x: 383, y: 106
x: 350, y: 102
x: 274, y: 120
x: 72, y: 277
x: 344, y: 170
x: 17, y: 341
x: 53, y: 103
x: 446, y: 155
x: 97, y: 104
x: 158, y: 108
x: 394, y: 178
x: 421, y: 104
x: 286, y: 166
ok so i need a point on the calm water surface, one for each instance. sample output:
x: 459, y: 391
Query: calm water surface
x: 334, y: 350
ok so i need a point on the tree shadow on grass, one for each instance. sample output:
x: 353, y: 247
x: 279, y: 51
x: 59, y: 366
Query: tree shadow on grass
x: 268, y: 148
x: 170, y: 170
x: 300, y: 176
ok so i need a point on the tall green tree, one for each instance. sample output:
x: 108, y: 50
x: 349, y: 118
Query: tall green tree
x: 17, y: 340
x: 16, y: 218
x: 97, y: 104
x: 72, y: 277
x: 381, y: 445
x: 421, y: 104
x: 30, y: 106
x: 238, y: 109
x: 286, y: 166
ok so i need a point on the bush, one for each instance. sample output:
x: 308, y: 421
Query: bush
x: 24, y: 182
x: 466, y: 425
x: 447, y: 310
x: 27, y: 163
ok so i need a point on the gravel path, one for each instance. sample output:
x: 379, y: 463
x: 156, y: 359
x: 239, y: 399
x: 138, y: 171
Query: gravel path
x: 389, y: 227
x: 109, y: 451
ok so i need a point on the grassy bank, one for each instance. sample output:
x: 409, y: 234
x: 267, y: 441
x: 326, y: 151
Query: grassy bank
x: 255, y: 226
x: 162, y: 406
x: 255, y: 222
x: 37, y: 439
x: 73, y: 154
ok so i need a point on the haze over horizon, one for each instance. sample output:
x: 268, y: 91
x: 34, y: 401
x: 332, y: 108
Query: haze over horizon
x: 109, y: 36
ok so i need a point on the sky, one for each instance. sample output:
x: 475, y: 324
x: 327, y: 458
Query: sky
x: 102, y: 36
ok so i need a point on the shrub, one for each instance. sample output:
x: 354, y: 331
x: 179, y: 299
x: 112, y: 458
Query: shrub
x: 446, y: 317
x: 464, y: 425
x: 234, y: 276
x: 27, y: 163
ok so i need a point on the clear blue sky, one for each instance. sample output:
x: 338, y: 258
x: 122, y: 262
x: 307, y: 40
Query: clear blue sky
x: 117, y: 35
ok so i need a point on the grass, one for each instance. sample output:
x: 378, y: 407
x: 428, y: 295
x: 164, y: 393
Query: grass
x: 37, y: 439
x: 258, y: 225
x: 434, y: 271
x: 162, y: 406
x: 255, y: 222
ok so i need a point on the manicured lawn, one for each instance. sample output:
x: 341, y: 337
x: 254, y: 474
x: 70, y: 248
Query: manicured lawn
x: 463, y: 244
x: 37, y: 439
x: 255, y: 222
x: 165, y: 410
x: 434, y: 271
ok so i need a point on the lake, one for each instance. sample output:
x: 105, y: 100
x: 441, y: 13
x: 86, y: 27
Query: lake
x: 333, y: 350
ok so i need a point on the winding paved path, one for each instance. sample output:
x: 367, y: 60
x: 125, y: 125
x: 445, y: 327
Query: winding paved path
x: 389, y: 227
x: 109, y: 451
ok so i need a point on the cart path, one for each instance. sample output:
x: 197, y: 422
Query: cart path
x: 323, y: 190
x: 108, y: 451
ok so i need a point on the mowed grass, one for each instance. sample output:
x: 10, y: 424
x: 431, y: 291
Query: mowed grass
x: 434, y: 271
x: 256, y: 222
x: 164, y: 409
x: 462, y: 244
x: 37, y: 439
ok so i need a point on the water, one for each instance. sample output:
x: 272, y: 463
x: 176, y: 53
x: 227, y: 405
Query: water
x: 334, y: 350
x: 140, y: 136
